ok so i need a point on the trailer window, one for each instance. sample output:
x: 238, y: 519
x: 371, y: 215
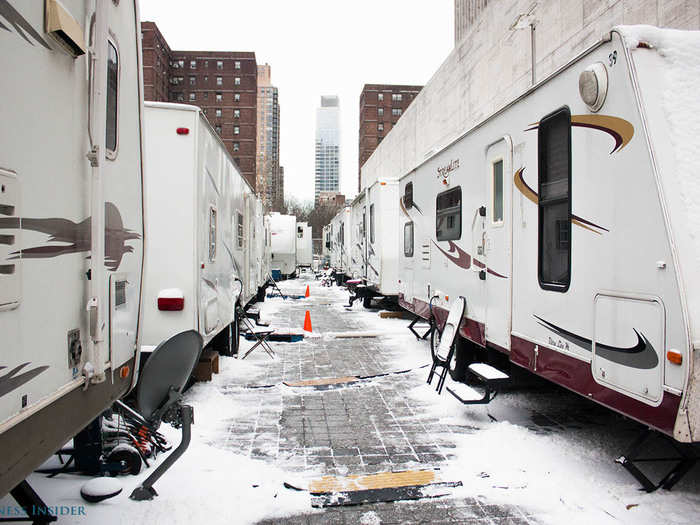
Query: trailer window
x: 371, y: 223
x: 408, y: 239
x: 497, y: 188
x: 448, y: 215
x: 212, y: 234
x: 112, y: 94
x: 239, y: 229
x: 554, y: 207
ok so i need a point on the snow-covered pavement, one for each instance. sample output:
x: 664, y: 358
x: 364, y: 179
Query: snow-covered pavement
x: 536, y: 454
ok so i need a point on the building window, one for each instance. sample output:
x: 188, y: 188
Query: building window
x: 554, y: 203
x: 205, y: 95
x: 237, y: 64
x: 497, y: 188
x: 219, y: 81
x: 218, y: 128
x: 219, y: 64
x: 193, y: 64
x: 380, y: 112
x: 219, y: 97
x: 206, y: 64
x: 236, y: 113
x: 236, y: 146
x: 193, y: 81
x: 212, y: 234
x: 448, y: 216
x: 371, y: 223
x: 236, y: 130
x: 180, y: 97
x: 380, y: 97
x: 237, y: 81
x: 396, y: 97
x: 181, y: 64
x: 206, y: 79
x: 408, y: 239
x: 239, y: 229
x: 396, y: 112
x: 112, y: 97
x: 236, y: 97
x: 380, y: 126
x: 192, y: 97
x: 218, y: 112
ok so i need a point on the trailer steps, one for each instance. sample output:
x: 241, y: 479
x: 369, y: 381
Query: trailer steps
x: 490, y: 380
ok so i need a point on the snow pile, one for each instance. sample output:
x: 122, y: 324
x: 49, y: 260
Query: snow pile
x: 680, y: 51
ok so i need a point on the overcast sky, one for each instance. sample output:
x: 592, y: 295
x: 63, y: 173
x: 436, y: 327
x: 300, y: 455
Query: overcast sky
x: 315, y: 48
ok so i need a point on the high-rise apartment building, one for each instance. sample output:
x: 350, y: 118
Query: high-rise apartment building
x: 222, y: 83
x: 381, y: 105
x: 268, y: 129
x: 327, y: 146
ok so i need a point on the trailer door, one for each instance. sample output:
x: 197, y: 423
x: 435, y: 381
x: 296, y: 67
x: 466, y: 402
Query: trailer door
x: 497, y: 242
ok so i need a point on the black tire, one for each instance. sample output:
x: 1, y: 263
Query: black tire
x: 222, y: 342
x: 367, y: 301
x: 128, y: 458
x: 460, y: 359
x: 236, y: 333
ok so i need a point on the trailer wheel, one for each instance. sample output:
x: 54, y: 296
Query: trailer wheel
x: 367, y: 301
x: 126, y: 459
x: 236, y: 331
x: 460, y: 359
x: 222, y: 342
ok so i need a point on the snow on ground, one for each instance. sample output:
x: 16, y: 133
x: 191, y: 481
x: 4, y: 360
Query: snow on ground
x: 565, y: 476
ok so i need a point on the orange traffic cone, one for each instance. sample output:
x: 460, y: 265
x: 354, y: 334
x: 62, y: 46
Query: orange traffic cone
x: 307, y: 291
x: 307, y: 322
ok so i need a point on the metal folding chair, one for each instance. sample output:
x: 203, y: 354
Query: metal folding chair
x: 445, y: 348
x: 261, y: 334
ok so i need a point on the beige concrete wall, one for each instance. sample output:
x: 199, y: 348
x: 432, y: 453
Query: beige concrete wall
x: 490, y: 66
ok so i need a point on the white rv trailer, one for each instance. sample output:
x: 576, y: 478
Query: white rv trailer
x: 569, y: 222
x: 283, y: 245
x: 260, y: 245
x: 326, y: 245
x: 71, y: 221
x: 357, y: 267
x: 305, y: 254
x: 196, y: 208
x: 383, y: 238
x: 341, y: 243
x: 336, y: 246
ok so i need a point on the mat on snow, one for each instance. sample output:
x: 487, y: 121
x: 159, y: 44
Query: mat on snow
x: 279, y: 337
x: 330, y: 491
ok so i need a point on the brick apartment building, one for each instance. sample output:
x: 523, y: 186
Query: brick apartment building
x: 222, y: 83
x: 381, y: 105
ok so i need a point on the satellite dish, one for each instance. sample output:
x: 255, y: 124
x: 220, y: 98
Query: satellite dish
x: 158, y: 397
x: 169, y: 366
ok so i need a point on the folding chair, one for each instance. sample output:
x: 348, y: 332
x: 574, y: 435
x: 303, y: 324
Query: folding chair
x: 445, y: 348
x: 261, y: 334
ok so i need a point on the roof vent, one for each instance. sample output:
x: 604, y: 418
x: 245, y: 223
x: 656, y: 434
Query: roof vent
x: 65, y: 29
x: 593, y: 85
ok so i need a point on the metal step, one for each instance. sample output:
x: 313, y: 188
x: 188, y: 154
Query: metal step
x: 464, y: 393
x: 488, y: 374
x: 489, y: 377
